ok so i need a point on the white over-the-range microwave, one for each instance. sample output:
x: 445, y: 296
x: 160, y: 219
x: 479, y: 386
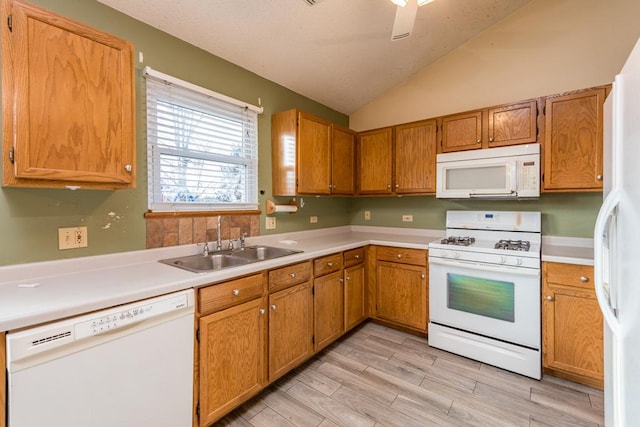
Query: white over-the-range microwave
x: 511, y: 172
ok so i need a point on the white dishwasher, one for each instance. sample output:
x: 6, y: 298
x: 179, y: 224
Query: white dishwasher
x: 130, y: 365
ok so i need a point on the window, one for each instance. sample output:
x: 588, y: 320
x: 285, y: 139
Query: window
x: 202, y: 148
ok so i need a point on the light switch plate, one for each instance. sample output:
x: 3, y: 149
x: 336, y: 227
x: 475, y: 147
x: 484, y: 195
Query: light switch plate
x: 72, y: 238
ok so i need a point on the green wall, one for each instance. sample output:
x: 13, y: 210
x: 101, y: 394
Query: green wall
x: 29, y: 218
x: 567, y: 214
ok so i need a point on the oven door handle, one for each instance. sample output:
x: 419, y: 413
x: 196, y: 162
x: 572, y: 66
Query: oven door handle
x: 520, y: 271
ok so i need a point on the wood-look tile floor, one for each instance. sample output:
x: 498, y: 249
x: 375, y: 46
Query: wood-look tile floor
x: 378, y: 376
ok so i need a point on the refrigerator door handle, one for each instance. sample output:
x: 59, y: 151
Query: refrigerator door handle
x: 604, y: 252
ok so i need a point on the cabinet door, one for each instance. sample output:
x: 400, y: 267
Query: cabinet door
x: 354, y: 296
x: 343, y: 161
x: 375, y: 162
x: 232, y: 358
x: 73, y: 101
x: 415, y: 158
x: 328, y: 309
x: 401, y: 294
x: 314, y: 155
x: 461, y: 132
x: 513, y: 124
x: 290, y: 328
x: 573, y: 142
x: 572, y: 332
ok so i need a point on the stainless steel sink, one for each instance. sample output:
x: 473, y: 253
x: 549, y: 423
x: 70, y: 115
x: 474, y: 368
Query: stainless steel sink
x: 229, y: 258
x: 261, y: 253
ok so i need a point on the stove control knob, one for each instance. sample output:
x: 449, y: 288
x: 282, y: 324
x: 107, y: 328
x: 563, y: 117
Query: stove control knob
x: 456, y: 255
x: 444, y: 254
x: 519, y: 261
x: 503, y: 260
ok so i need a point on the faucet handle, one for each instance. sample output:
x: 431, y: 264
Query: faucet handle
x: 205, y: 249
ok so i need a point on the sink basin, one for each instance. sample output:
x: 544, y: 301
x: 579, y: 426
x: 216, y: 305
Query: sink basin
x: 261, y: 253
x: 225, y: 259
x: 201, y: 263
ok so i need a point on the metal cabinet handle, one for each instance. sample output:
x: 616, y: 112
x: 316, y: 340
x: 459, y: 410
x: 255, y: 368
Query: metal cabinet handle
x: 236, y: 292
x: 341, y: 280
x: 584, y: 279
x: 422, y: 276
x: 599, y: 177
x: 262, y: 311
x: 399, y: 256
x: 357, y: 257
x: 273, y: 306
x: 330, y: 264
x: 549, y: 298
x: 388, y: 185
x: 397, y: 185
x: 490, y: 139
x: 128, y: 168
x: 293, y: 275
x: 478, y: 141
x: 348, y: 278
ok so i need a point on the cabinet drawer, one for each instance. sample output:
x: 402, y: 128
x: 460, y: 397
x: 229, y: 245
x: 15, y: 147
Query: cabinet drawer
x: 353, y: 257
x: 227, y: 294
x: 290, y: 275
x: 327, y: 264
x: 402, y: 255
x: 570, y: 274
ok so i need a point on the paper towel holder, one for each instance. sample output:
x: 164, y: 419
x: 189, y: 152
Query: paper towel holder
x: 272, y: 208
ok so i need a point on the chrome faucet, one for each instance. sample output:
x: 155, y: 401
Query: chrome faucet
x: 219, y: 240
x: 242, y: 237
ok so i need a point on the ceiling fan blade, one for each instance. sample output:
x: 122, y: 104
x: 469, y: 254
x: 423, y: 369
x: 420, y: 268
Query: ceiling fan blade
x: 403, y: 23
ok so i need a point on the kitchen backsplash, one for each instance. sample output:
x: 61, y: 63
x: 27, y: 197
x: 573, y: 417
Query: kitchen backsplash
x: 162, y: 232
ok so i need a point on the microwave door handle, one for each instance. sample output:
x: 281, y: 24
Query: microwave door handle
x: 512, y: 193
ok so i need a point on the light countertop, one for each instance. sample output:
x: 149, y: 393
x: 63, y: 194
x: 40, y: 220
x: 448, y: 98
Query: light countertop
x: 41, y: 292
x: 45, y: 291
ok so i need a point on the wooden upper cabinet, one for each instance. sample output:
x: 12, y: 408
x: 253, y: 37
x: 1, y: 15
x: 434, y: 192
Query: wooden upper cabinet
x: 314, y: 155
x: 310, y: 155
x: 573, y: 145
x: 68, y: 104
x: 343, y: 161
x: 375, y: 161
x: 415, y: 157
x: 512, y: 124
x: 461, y: 132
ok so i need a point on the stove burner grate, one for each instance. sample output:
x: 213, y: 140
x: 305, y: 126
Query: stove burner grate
x: 513, y: 245
x: 459, y: 241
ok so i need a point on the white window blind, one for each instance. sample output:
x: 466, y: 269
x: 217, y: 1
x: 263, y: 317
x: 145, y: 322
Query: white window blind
x: 202, y: 148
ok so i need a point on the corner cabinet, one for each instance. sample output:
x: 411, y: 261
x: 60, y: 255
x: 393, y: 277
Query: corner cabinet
x: 311, y: 155
x: 68, y: 102
x: 572, y: 334
x: 401, y: 294
x: 573, y: 142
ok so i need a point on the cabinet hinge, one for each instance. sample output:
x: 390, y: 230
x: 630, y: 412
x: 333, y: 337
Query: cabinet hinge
x: 542, y: 177
x: 198, y: 334
x: 12, y: 155
x: 198, y: 410
x: 313, y: 339
x: 10, y: 23
x: 313, y: 290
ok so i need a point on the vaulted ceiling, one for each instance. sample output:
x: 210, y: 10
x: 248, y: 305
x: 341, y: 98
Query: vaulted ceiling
x: 336, y: 52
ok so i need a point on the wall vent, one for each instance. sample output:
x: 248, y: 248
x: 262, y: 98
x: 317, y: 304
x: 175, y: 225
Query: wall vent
x: 51, y: 338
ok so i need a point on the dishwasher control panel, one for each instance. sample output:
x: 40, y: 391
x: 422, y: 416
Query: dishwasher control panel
x: 129, y: 314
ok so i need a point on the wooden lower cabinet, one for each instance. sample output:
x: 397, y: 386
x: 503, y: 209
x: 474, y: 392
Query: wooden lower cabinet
x: 572, y: 329
x: 355, y: 311
x: 232, y: 358
x: 290, y: 328
x: 328, y: 309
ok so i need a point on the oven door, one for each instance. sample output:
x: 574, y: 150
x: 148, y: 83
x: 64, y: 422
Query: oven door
x: 496, y: 301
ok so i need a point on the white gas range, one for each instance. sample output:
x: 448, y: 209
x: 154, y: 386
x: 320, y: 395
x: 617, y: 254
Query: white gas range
x: 484, y: 289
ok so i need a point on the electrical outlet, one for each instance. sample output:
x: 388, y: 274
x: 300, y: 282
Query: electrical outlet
x: 367, y: 215
x: 270, y: 223
x: 72, y: 237
x: 407, y: 218
x: 313, y: 219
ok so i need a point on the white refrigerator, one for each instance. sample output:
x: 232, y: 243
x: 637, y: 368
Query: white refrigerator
x: 617, y: 254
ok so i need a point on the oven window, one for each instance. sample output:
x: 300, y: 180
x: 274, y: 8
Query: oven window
x: 484, y: 297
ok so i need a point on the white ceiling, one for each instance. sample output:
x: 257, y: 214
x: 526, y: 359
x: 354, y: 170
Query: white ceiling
x: 337, y: 52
